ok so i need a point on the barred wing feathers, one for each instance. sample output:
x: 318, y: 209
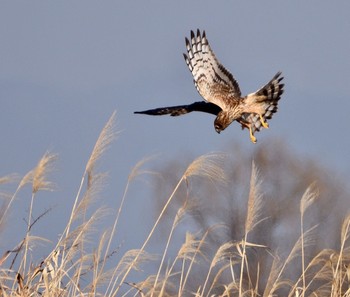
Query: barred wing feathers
x: 212, y: 80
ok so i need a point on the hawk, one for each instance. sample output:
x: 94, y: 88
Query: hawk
x: 221, y: 92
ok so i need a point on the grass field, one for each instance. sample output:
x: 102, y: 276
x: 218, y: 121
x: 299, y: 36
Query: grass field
x: 237, y: 257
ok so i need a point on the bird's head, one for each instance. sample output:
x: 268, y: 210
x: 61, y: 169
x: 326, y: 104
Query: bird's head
x: 222, y: 121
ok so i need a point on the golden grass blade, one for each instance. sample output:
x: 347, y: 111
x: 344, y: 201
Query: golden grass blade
x: 129, y: 260
x: 74, y: 261
x: 189, y: 247
x: 178, y: 217
x: 189, y: 206
x: 308, y: 198
x: 28, y: 178
x: 8, y: 199
x: 309, y: 239
x: 187, y: 251
x: 201, y: 243
x: 215, y: 281
x: 8, y: 179
x: 190, y: 250
x: 148, y: 289
x: 99, y: 276
x: 320, y: 270
x: 137, y: 169
x: 230, y: 290
x: 252, y: 219
x: 158, y: 275
x: 273, y: 280
x: 97, y: 181
x: 151, y: 233
x: 38, y: 175
x: 208, y: 166
x: 254, y: 201
x: 41, y: 171
x: 224, y: 252
x: 338, y: 273
x: 345, y: 230
x: 105, y: 138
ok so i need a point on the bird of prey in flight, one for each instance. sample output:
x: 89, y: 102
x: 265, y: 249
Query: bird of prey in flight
x: 221, y: 92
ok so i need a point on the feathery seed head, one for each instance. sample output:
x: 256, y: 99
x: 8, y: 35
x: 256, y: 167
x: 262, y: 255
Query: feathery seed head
x: 209, y: 166
x: 40, y: 172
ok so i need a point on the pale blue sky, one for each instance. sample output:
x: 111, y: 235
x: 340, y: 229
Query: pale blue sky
x: 67, y: 65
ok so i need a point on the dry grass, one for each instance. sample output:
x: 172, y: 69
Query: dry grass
x: 78, y: 266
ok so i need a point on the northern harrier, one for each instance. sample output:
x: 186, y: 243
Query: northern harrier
x: 222, y: 94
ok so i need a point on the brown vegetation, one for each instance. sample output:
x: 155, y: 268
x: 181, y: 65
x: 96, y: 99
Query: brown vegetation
x: 275, y: 226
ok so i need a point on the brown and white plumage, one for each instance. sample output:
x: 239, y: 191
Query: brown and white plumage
x: 222, y: 93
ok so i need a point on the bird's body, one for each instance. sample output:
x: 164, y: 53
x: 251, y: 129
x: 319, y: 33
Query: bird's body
x: 222, y: 93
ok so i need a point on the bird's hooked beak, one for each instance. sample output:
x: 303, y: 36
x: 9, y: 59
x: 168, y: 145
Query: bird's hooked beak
x: 218, y: 129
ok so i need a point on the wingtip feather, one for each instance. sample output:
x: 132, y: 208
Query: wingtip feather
x: 192, y: 34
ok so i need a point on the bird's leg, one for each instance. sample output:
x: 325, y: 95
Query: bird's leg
x: 252, y: 137
x: 265, y: 124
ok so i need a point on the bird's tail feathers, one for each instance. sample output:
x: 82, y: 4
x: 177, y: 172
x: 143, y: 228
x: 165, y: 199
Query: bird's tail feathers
x: 272, y: 91
x: 268, y: 95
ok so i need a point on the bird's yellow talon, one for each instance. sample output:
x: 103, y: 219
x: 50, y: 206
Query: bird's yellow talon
x: 265, y: 124
x: 252, y: 137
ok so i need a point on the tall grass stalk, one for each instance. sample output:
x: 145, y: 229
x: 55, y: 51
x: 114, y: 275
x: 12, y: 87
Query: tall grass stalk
x: 114, y: 293
x: 231, y: 268
x: 338, y: 274
x: 104, y: 140
x: 306, y: 200
x: 191, y: 248
x: 5, y: 208
x: 252, y: 217
x: 39, y: 182
x: 136, y: 171
x: 202, y: 166
x: 180, y: 213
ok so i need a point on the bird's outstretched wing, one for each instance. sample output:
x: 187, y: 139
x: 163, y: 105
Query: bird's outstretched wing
x: 183, y: 109
x: 212, y: 80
